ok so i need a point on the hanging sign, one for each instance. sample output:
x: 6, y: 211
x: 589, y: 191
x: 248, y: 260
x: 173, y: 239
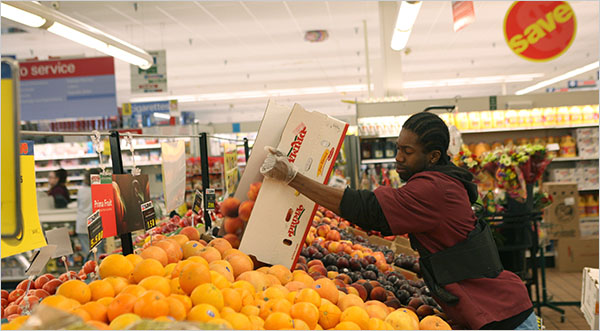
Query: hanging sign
x: 144, y: 114
x: 103, y: 202
x: 149, y: 215
x: 540, y: 30
x: 211, y: 199
x: 231, y: 171
x: 29, y: 234
x: 463, y: 14
x: 173, y: 172
x: 130, y: 192
x: 197, y: 206
x: 68, y: 88
x: 153, y: 79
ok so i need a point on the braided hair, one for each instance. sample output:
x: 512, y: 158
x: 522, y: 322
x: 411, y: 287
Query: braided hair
x: 432, y: 132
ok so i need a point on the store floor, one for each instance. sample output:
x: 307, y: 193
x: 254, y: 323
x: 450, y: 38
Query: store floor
x: 564, y: 286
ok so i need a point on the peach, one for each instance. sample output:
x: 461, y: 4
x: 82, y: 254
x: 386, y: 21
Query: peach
x: 322, y: 230
x: 333, y: 235
x: 230, y: 206
x: 190, y: 232
x: 245, y: 210
x: 253, y: 191
x: 233, y: 224
x: 318, y: 269
x: 315, y: 262
x: 233, y: 239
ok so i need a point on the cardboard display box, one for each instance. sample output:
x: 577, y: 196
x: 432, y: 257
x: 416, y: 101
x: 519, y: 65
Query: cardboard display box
x: 589, y: 297
x: 404, y: 250
x: 406, y: 273
x: 402, y: 241
x: 376, y: 240
x: 561, y: 218
x: 281, y: 216
x: 358, y: 232
x: 574, y: 254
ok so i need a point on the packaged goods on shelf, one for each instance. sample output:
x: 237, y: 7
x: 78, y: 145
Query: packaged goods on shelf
x: 587, y: 142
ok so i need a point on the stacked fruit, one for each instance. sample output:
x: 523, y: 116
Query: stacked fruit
x: 186, y: 280
x: 363, y: 269
x: 237, y: 214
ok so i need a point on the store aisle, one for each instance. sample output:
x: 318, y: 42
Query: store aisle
x: 564, y: 286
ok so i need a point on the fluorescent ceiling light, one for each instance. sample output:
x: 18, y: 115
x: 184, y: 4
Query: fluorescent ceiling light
x: 407, y: 14
x: 257, y: 94
x: 67, y: 27
x: 21, y: 16
x: 162, y: 115
x: 471, y: 81
x: 557, y: 79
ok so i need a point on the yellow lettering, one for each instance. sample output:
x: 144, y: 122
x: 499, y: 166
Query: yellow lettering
x: 548, y: 24
x: 518, y: 44
x: 562, y: 13
x: 534, y: 33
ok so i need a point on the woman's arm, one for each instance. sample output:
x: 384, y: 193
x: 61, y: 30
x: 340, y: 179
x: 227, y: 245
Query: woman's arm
x: 326, y: 196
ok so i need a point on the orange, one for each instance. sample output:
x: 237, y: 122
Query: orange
x: 250, y: 310
x: 96, y: 310
x: 401, y: 320
x: 221, y: 323
x: 172, y: 248
x: 295, y: 286
x: 433, y: 322
x: 180, y: 239
x: 191, y: 248
x: 151, y: 304
x: 227, y: 310
x: 225, y: 271
x: 376, y: 311
x: 257, y: 279
x: 133, y: 289
x: 307, y: 312
x: 347, y: 326
x: 291, y: 296
x: 115, y: 265
x: 72, y: 304
x: 276, y: 305
x: 240, y: 263
x: 157, y: 253
x: 222, y: 245
x: 357, y: 315
x: 105, y: 301
x: 303, y: 277
x: 208, y: 293
x: 257, y: 322
x: 198, y: 259
x: 175, y: 287
x: 146, y: 268
x: 246, y: 296
x: 410, y: 312
x: 350, y: 300
x: 101, y: 289
x: 272, y: 280
x: 232, y: 299
x: 98, y: 325
x: 308, y: 295
x: 56, y: 301
x: 273, y: 293
x: 238, y: 321
x: 231, y: 251
x: 158, y: 283
x: 118, y: 283
x: 123, y: 321
x: 134, y: 259
x: 192, y: 275
x: 263, y: 269
x: 169, y: 270
x: 218, y: 279
x: 176, y: 309
x: 75, y: 289
x: 122, y: 304
x: 278, y: 320
x: 300, y: 325
x: 329, y: 315
x: 244, y: 284
x: 203, y: 313
x: 84, y: 315
x: 378, y: 324
x: 184, y: 299
x: 210, y: 254
x: 326, y: 289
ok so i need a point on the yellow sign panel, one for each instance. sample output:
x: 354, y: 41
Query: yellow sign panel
x: 231, y: 172
x: 126, y: 110
x: 11, y: 226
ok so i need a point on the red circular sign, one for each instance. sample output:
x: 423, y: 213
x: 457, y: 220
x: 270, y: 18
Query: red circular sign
x: 539, y: 30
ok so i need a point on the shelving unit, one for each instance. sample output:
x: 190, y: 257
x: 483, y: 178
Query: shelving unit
x: 558, y: 159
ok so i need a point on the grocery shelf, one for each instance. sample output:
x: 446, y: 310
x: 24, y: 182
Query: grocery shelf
x: 66, y: 157
x: 576, y: 158
x: 125, y: 147
x: 589, y: 219
x: 13, y: 278
x: 87, y: 166
x: 504, y: 130
x: 70, y: 179
x: 588, y: 189
x: 375, y: 161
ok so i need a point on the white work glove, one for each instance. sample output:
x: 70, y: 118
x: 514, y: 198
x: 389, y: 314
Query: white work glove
x: 277, y: 166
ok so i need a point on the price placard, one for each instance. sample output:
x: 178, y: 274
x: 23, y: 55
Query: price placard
x: 197, y: 207
x: 95, y: 230
x: 149, y: 215
x: 211, y: 198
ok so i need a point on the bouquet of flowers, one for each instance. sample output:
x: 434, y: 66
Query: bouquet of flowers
x: 465, y: 159
x: 535, y: 165
x: 503, y: 164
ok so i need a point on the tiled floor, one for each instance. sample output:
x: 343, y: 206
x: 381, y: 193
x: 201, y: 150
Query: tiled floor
x: 562, y: 286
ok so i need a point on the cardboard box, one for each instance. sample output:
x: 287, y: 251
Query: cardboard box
x: 574, y: 254
x: 404, y: 250
x: 561, y: 218
x: 589, y: 297
x: 588, y: 228
x: 281, y: 216
x: 402, y: 241
x: 358, y: 232
x: 376, y: 240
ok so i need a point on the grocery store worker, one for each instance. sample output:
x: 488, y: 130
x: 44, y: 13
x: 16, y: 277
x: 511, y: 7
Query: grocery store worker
x: 58, y: 190
x: 458, y: 258
x: 84, y: 210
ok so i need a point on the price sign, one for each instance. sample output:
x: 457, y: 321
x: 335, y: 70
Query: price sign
x: 149, y: 215
x: 95, y: 230
x: 211, y: 198
x: 197, y: 207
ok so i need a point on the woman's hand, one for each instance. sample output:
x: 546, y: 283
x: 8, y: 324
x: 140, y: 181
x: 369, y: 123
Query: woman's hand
x: 277, y: 166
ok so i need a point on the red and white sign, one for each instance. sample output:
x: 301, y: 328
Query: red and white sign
x: 94, y: 66
x: 463, y: 14
x: 539, y: 30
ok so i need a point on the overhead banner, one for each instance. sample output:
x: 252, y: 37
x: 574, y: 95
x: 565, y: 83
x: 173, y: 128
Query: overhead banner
x: 69, y: 88
x: 463, y: 14
x: 153, y: 79
x: 145, y: 114
x: 174, y: 174
x: 540, y: 30
x: 30, y: 235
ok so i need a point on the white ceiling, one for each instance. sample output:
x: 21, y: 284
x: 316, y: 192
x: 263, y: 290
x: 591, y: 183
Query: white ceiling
x: 225, y: 47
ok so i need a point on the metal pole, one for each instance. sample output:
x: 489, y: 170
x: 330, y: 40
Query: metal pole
x: 205, y: 176
x: 117, y: 163
x: 246, y: 149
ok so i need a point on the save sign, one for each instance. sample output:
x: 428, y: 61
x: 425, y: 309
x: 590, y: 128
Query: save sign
x: 539, y: 30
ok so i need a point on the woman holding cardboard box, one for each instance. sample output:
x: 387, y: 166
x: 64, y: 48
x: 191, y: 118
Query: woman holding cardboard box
x: 458, y: 257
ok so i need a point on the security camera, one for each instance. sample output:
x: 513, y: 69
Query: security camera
x: 55, y: 5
